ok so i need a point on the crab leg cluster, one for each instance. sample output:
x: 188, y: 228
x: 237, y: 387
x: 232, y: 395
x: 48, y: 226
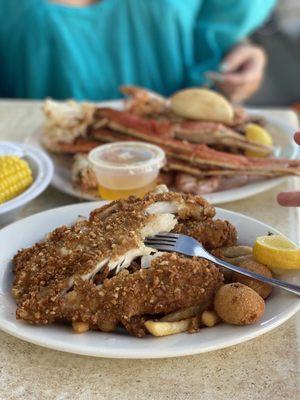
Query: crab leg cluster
x: 209, y: 153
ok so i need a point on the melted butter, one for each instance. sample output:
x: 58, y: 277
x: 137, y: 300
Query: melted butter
x: 116, y: 194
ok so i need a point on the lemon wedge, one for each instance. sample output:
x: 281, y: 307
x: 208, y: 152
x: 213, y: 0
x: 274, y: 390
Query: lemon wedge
x: 277, y: 253
x: 256, y: 134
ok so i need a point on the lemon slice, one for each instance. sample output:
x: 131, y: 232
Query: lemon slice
x: 277, y: 253
x: 256, y: 134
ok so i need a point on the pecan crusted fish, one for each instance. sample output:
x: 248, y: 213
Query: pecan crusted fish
x: 171, y: 283
x: 48, y: 275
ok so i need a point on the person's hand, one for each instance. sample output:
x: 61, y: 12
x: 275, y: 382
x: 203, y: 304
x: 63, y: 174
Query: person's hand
x: 290, y: 199
x: 242, y: 71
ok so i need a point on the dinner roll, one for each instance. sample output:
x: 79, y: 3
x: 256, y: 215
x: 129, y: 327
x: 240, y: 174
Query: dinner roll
x: 202, y: 104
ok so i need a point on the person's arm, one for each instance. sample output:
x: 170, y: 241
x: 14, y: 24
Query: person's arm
x: 290, y: 199
x: 221, y: 25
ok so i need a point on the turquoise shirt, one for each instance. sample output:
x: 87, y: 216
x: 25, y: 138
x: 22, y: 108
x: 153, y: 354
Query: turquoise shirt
x: 50, y: 49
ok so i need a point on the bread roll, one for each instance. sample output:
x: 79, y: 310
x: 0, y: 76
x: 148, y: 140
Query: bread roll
x: 202, y: 104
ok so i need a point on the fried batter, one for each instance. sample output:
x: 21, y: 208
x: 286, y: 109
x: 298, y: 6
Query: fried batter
x: 211, y: 233
x: 113, y: 236
x: 185, y: 205
x: 171, y: 283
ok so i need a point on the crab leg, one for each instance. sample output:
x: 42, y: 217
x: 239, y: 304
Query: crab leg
x: 181, y: 162
x: 179, y: 166
x: 196, y: 185
x: 146, y: 103
x: 213, y: 133
x: 162, y: 133
x: 194, y: 131
x: 142, y: 101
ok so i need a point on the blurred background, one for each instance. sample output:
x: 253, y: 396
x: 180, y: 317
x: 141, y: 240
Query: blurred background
x: 280, y: 38
x: 70, y: 49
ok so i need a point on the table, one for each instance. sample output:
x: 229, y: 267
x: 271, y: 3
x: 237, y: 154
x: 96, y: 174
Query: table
x: 264, y: 368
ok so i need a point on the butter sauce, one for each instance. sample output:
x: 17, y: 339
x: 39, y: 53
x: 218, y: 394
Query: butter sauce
x: 126, y: 168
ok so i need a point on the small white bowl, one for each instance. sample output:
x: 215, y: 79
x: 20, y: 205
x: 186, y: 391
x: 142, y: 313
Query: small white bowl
x: 42, y: 170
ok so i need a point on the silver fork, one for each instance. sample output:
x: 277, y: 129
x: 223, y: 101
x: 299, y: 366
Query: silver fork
x: 187, y: 245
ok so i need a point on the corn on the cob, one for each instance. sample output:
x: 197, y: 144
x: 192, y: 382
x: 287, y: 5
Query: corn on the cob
x: 15, y: 177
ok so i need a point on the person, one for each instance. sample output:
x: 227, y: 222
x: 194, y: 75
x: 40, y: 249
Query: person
x: 86, y: 49
x: 292, y: 198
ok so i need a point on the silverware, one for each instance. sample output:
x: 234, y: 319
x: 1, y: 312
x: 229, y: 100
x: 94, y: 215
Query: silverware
x: 187, y: 245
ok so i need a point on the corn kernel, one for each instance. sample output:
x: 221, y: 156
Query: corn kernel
x: 15, y: 177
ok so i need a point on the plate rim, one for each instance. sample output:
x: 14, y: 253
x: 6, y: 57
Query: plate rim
x: 146, y: 354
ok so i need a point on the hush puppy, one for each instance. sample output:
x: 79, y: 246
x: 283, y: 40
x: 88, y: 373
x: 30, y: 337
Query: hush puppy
x: 238, y: 304
x: 263, y: 289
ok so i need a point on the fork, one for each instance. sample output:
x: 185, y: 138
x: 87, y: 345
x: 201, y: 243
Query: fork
x: 187, y: 245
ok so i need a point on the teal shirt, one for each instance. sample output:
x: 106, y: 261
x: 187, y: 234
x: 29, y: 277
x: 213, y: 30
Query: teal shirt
x: 50, y: 49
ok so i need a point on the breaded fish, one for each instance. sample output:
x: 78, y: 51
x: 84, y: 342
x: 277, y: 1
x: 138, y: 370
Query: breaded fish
x: 211, y: 233
x: 113, y: 236
x: 171, y: 283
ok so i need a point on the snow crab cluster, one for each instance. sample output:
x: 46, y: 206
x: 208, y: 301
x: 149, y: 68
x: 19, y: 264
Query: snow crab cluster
x: 203, y: 155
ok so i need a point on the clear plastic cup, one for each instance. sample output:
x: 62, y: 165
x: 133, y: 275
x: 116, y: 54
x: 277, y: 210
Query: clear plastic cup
x: 126, y: 168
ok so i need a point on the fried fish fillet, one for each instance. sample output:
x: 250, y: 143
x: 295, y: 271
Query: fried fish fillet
x: 113, y: 236
x: 211, y: 233
x: 171, y: 283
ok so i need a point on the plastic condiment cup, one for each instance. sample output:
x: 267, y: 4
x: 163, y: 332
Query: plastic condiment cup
x: 126, y: 166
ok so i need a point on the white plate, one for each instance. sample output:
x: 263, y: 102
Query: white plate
x: 280, y: 306
x: 281, y: 132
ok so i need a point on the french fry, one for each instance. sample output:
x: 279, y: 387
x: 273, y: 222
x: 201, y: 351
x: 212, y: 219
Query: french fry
x: 80, y: 327
x: 181, y: 314
x: 237, y: 251
x: 184, y: 313
x: 158, y: 328
x: 210, y: 318
x: 107, y: 327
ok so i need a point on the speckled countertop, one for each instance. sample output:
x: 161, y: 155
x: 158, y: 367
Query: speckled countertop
x: 264, y: 368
